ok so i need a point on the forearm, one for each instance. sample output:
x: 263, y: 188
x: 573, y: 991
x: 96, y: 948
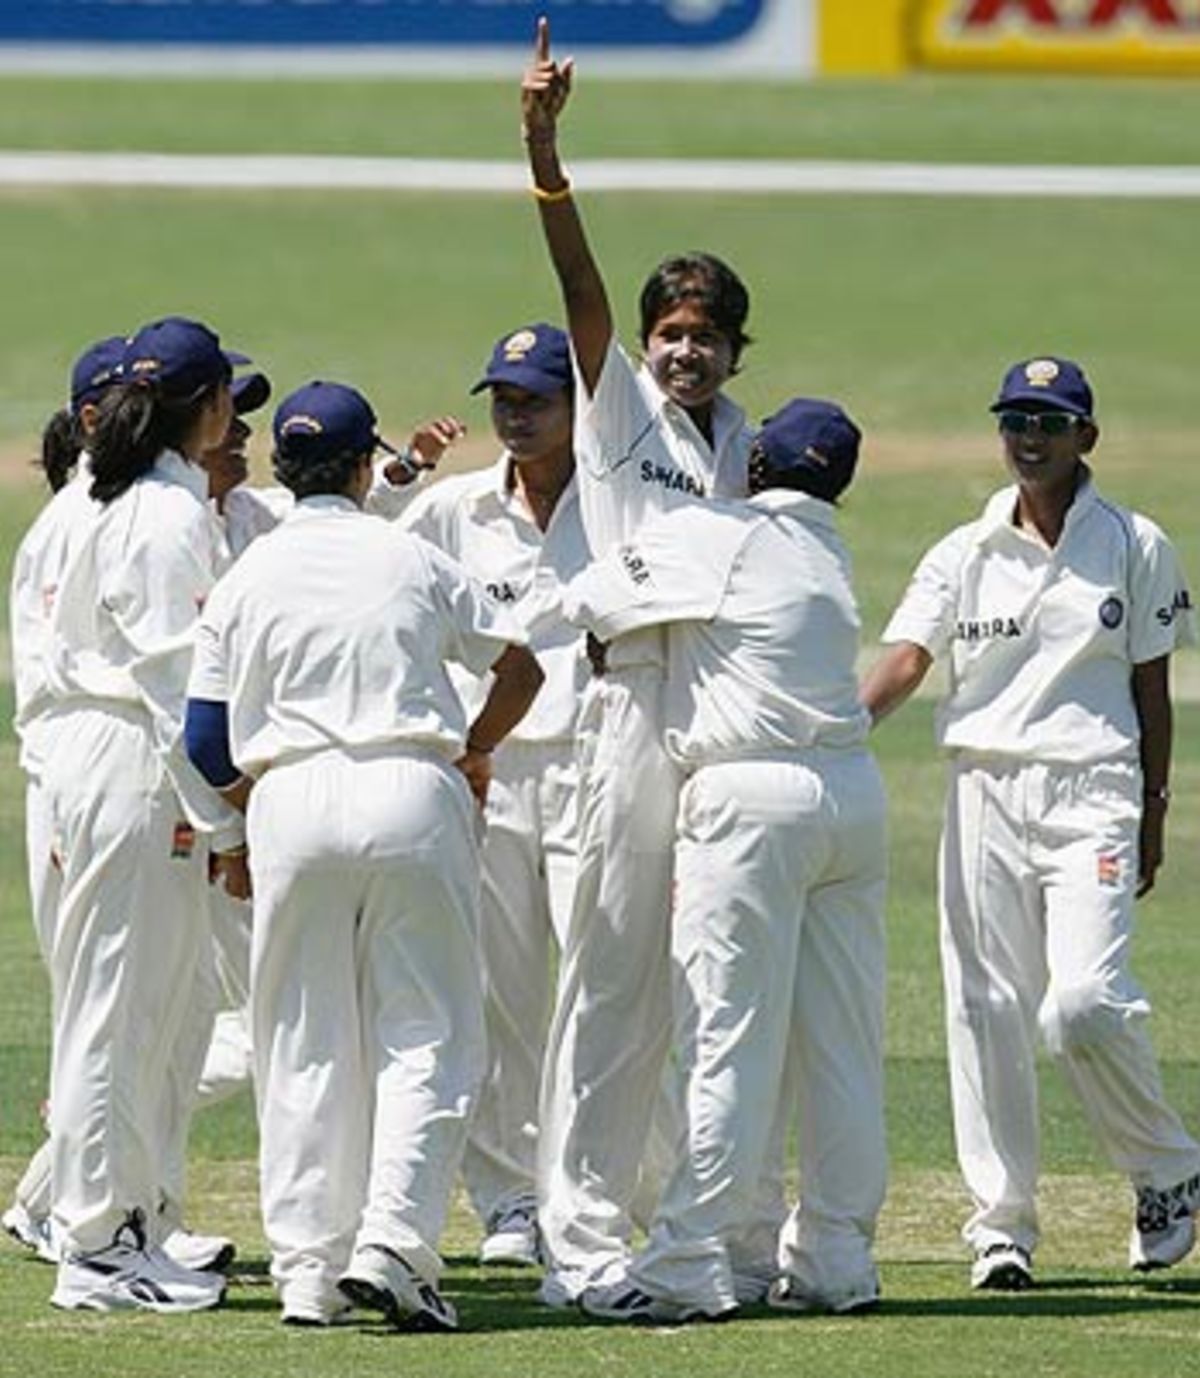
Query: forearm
x: 518, y: 677
x: 1152, y: 699
x: 893, y: 678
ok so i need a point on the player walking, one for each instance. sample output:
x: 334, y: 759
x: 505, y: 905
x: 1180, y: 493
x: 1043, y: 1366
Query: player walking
x: 1059, y: 611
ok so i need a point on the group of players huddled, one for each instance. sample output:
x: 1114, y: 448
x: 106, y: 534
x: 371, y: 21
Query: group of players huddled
x: 522, y: 824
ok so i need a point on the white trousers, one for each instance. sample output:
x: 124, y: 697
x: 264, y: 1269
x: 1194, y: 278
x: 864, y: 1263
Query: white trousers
x: 366, y: 1007
x: 130, y: 931
x: 45, y: 880
x: 1038, y: 873
x: 611, y: 1027
x: 528, y: 883
x: 778, y: 939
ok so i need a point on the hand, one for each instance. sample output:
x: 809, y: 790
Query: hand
x: 544, y: 87
x: 1151, y: 849
x: 231, y: 870
x: 477, y: 767
x: 428, y: 443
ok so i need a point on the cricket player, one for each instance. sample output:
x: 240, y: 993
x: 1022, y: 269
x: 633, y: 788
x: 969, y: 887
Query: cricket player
x: 778, y: 932
x: 515, y: 526
x: 1059, y: 612
x: 646, y: 439
x: 133, y: 825
x: 320, y: 683
x: 37, y: 573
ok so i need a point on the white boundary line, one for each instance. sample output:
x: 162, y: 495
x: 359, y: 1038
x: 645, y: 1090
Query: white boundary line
x: 298, y: 172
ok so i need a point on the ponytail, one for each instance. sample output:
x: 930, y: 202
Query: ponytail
x: 62, y: 442
x: 135, y: 423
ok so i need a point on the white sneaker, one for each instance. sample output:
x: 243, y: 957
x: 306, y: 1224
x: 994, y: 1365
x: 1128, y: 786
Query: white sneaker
x: 1164, y: 1230
x: 380, y: 1280
x: 623, y: 1301
x: 512, y: 1237
x: 31, y: 1232
x: 201, y: 1253
x: 309, y: 1311
x: 125, y: 1278
x: 556, y: 1292
x: 1002, y: 1267
x: 789, y: 1294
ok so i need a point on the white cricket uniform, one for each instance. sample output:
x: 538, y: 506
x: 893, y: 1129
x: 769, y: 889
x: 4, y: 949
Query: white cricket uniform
x: 328, y: 640
x: 127, y: 805
x: 637, y: 454
x: 1039, y: 863
x: 529, y: 847
x: 250, y: 512
x: 778, y: 930
x: 37, y: 573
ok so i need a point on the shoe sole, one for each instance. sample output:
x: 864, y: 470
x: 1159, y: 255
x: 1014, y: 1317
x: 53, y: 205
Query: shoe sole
x: 1008, y: 1277
x: 111, y: 1304
x: 372, y: 1297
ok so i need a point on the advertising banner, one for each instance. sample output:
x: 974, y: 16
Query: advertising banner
x: 692, y: 36
x: 1130, y: 36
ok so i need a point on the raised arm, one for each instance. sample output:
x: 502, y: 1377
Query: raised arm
x: 893, y: 677
x: 544, y: 91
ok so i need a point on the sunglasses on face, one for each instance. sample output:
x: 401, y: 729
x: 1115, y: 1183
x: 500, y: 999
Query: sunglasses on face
x: 1045, y: 422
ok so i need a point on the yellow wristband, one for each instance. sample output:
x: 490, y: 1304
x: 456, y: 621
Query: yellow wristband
x: 550, y: 198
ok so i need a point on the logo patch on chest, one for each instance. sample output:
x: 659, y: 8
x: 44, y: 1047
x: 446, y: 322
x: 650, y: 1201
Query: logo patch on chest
x: 1112, y: 613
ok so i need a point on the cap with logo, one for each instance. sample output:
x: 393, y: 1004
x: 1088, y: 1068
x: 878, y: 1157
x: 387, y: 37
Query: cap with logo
x: 1048, y: 384
x: 96, y: 368
x: 322, y: 421
x: 811, y: 444
x: 182, y: 356
x: 536, y: 358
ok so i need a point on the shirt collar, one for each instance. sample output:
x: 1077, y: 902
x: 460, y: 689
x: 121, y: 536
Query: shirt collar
x: 786, y: 502
x: 323, y: 502
x: 998, y: 513
x: 172, y: 467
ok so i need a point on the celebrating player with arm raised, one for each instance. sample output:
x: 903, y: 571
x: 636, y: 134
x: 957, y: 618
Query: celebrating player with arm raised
x: 646, y: 439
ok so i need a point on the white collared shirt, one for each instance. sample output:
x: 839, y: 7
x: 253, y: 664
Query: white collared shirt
x: 333, y: 631
x: 121, y: 631
x: 481, y: 520
x: 638, y: 455
x: 1042, y: 641
x: 763, y: 625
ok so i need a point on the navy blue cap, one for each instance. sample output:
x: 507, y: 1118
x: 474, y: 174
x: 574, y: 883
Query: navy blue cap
x: 96, y: 368
x: 536, y: 358
x: 250, y: 391
x: 184, y: 356
x: 1049, y: 383
x: 323, y: 421
x: 813, y: 444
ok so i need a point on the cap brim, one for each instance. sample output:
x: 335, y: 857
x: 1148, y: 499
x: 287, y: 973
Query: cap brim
x: 250, y: 392
x: 1041, y: 398
x: 532, y: 380
x: 233, y: 358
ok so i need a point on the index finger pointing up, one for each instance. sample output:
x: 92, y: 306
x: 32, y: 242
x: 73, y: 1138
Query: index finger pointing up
x: 541, y: 47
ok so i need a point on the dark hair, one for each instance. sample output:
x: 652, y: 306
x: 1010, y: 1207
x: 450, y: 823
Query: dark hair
x: 135, y: 423
x: 62, y: 441
x: 701, y: 278
x: 309, y: 478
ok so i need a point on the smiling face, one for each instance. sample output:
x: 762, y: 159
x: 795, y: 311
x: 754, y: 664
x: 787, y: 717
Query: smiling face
x: 1038, y: 458
x: 531, y: 425
x: 690, y: 358
x: 226, y: 463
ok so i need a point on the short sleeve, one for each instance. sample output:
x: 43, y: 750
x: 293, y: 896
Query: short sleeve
x: 926, y: 614
x: 1162, y: 613
x: 476, y: 627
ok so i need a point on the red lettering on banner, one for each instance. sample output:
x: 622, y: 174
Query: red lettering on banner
x: 1161, y: 12
x: 986, y: 12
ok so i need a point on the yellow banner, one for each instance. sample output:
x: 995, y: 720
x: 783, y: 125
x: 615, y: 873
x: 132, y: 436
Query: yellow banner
x: 1128, y: 36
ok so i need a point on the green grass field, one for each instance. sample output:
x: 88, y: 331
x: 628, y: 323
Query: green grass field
x: 908, y: 311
